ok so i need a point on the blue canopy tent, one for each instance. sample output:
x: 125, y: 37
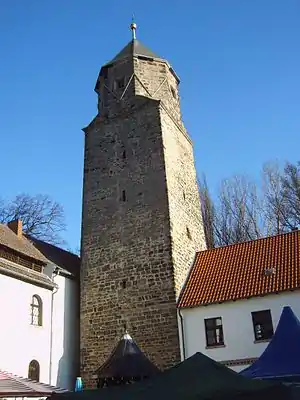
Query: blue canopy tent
x: 281, y: 359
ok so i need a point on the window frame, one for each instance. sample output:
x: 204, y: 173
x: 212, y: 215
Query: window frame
x: 217, y: 342
x: 36, y: 311
x: 261, y: 318
x: 34, y: 370
x: 119, y: 83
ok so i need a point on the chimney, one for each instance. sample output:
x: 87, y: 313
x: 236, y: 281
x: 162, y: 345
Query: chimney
x: 16, y: 227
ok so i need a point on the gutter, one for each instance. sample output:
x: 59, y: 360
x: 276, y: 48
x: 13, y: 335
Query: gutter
x: 182, y: 333
x: 55, y: 273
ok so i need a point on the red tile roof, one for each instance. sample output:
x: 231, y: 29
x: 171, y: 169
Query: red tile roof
x: 243, y: 270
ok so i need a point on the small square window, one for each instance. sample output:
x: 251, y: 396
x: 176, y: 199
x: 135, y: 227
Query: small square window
x: 262, y: 325
x: 214, y: 332
x: 119, y: 83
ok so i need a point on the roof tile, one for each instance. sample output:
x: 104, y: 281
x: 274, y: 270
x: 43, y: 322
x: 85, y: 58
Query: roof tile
x: 20, y: 244
x: 239, y: 271
x: 15, y: 386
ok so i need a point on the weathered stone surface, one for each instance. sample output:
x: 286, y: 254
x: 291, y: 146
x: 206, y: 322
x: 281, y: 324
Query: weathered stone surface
x: 141, y: 216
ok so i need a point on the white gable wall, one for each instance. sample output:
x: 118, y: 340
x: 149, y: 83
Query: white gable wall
x: 21, y: 342
x: 237, y: 326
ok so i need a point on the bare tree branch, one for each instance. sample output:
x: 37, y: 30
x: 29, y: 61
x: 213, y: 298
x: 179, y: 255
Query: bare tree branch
x: 274, y: 204
x: 291, y: 194
x: 244, y: 211
x: 42, y: 217
x: 238, y: 212
x: 208, y: 212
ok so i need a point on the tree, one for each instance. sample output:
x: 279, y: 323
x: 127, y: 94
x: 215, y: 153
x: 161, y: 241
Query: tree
x: 208, y: 212
x: 237, y: 217
x: 243, y: 210
x: 291, y: 194
x: 41, y: 216
x: 274, y: 207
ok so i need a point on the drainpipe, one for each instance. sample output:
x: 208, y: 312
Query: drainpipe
x: 55, y: 273
x: 182, y: 333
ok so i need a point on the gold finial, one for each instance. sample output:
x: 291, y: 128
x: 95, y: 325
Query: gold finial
x: 133, y: 28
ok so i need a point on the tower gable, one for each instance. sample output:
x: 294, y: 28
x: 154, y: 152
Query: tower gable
x: 136, y: 71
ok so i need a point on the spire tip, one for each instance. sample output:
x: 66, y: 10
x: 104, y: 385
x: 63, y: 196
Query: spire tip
x: 133, y: 28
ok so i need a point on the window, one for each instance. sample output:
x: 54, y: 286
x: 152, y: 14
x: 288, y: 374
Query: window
x: 34, y: 371
x: 36, y: 314
x: 124, y: 155
x: 262, y: 325
x: 123, y: 195
x: 173, y: 92
x: 119, y: 83
x: 214, y: 332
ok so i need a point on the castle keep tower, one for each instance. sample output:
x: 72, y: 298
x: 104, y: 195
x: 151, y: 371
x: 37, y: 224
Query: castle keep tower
x: 141, y: 222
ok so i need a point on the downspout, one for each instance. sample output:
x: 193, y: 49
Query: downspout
x: 55, y: 273
x: 182, y: 333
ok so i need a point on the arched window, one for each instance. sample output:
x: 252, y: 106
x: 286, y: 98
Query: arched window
x: 34, y: 370
x: 36, y: 310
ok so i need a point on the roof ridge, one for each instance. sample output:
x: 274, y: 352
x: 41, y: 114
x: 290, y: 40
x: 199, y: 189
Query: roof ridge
x: 33, y: 239
x: 250, y: 241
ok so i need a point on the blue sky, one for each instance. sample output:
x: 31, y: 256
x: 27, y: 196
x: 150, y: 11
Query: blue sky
x: 238, y: 60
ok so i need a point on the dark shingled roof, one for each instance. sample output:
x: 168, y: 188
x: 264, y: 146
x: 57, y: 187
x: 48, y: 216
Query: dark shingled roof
x: 19, y: 244
x: 60, y: 257
x: 133, y: 48
x: 127, y: 360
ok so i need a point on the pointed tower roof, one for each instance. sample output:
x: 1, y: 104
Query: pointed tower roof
x: 133, y: 48
x: 127, y: 361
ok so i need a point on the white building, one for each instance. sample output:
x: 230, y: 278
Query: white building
x: 39, y: 294
x: 234, y: 295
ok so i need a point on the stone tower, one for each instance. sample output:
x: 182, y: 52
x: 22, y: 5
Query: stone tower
x: 141, y: 222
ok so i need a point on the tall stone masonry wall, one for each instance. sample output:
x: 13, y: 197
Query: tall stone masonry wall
x: 186, y: 225
x: 139, y: 198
